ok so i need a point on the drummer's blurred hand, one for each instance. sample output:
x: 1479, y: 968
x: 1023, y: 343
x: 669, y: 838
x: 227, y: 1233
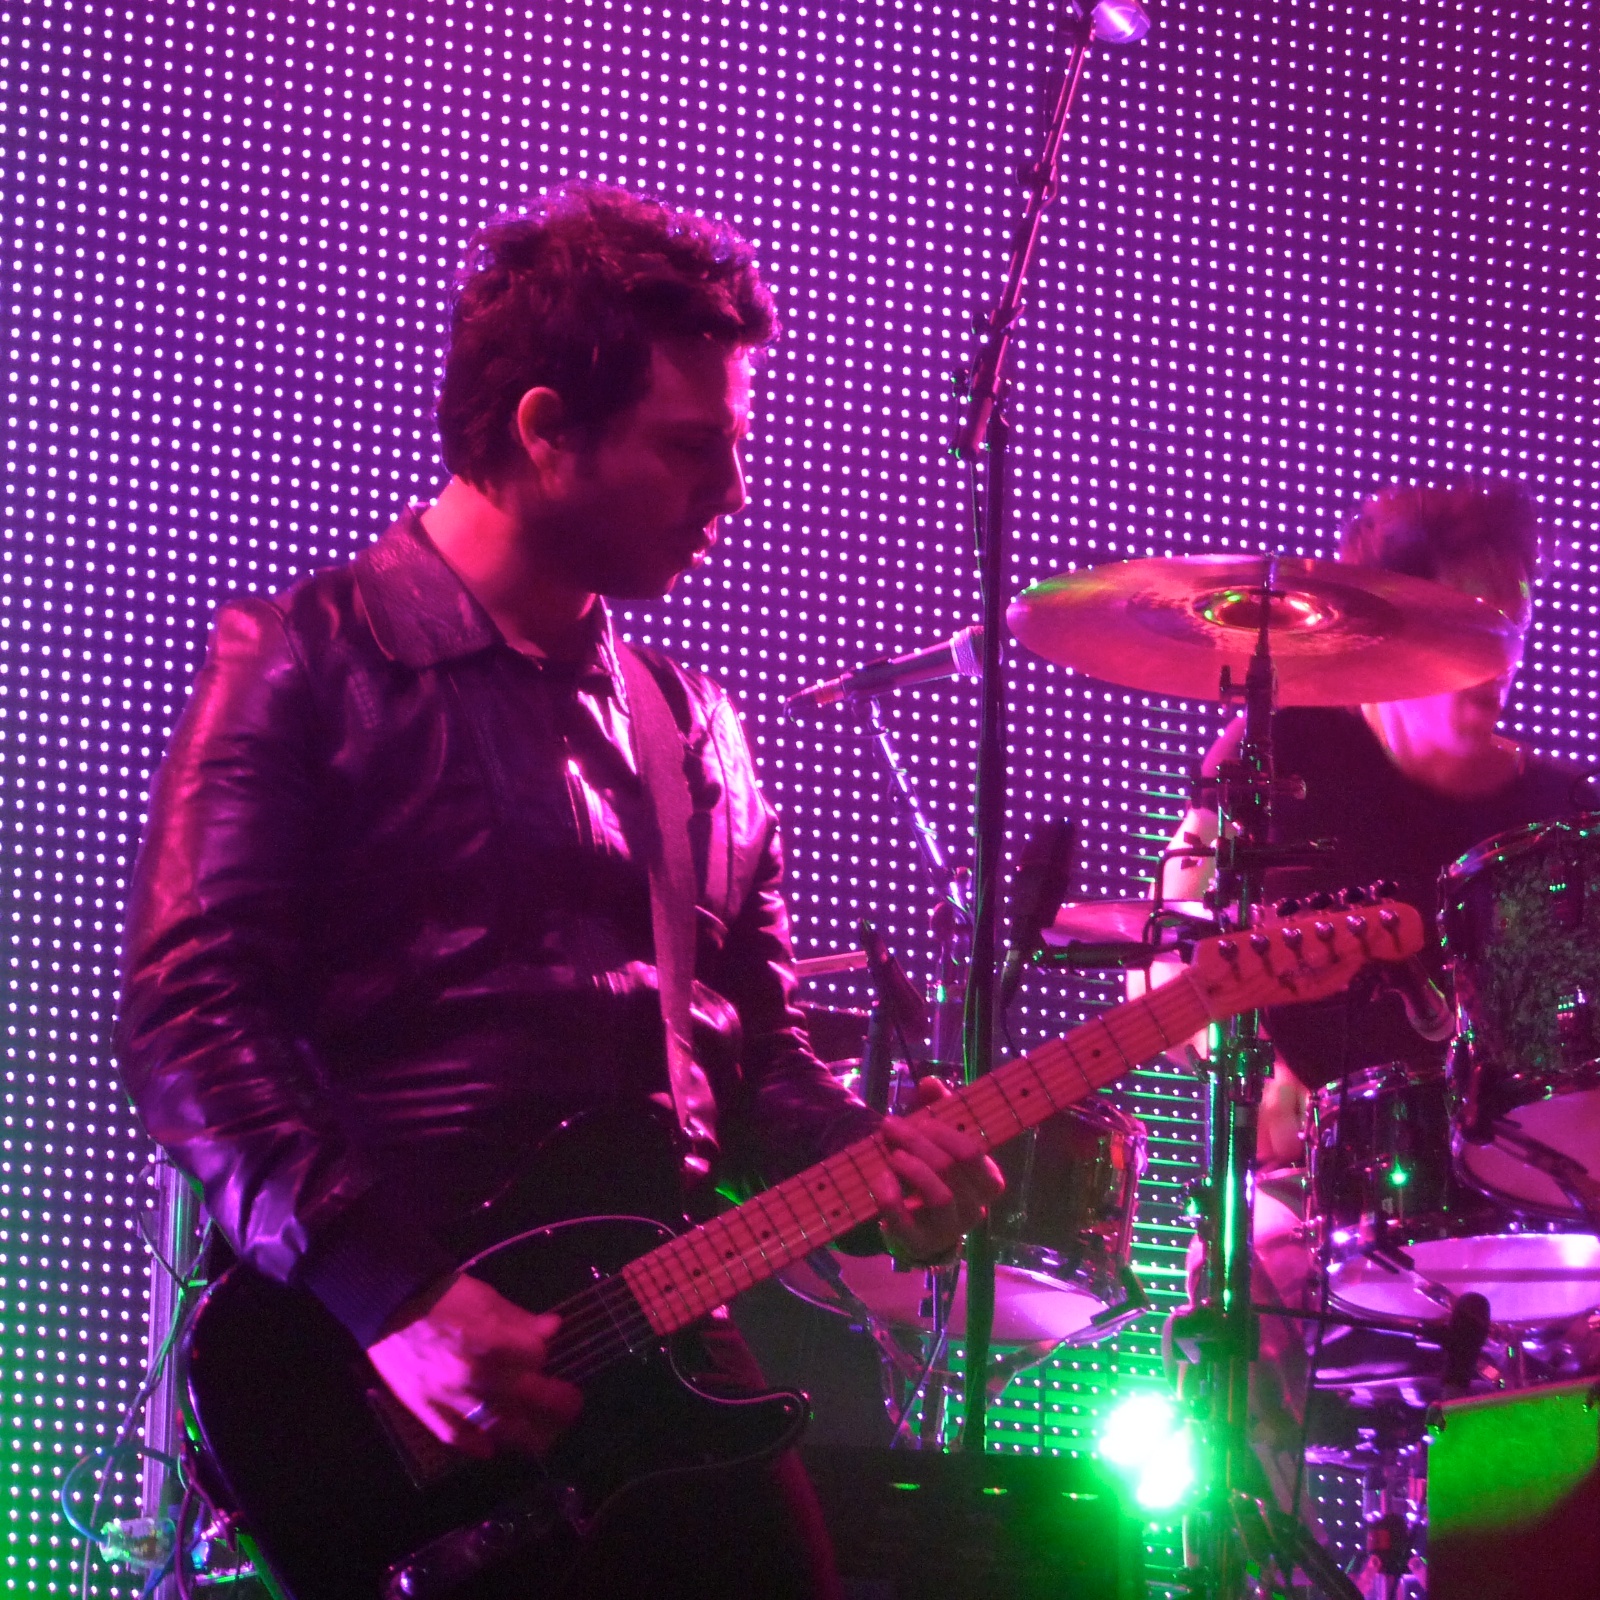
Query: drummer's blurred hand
x: 939, y: 1186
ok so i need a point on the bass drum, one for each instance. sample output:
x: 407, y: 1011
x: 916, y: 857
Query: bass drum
x: 1405, y: 1237
x: 1062, y: 1234
x: 1520, y: 917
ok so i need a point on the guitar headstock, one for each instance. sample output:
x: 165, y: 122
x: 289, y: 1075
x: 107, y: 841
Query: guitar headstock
x: 1306, y: 956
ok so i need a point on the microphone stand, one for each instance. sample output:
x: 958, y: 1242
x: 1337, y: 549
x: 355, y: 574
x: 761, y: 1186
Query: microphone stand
x: 1233, y: 1532
x: 985, y: 428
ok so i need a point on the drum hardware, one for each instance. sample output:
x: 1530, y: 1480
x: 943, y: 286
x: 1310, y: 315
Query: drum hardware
x: 1090, y: 935
x: 1570, y: 1176
x: 898, y: 1016
x: 1038, y: 888
x: 1225, y: 1332
x: 1394, y: 1515
x: 951, y: 921
x: 1269, y: 1536
x: 1406, y: 1236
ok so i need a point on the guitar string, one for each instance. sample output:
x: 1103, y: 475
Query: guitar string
x: 581, y: 1358
x: 599, y: 1322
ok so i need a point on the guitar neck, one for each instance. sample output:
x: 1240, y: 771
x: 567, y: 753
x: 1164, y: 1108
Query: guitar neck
x: 709, y: 1265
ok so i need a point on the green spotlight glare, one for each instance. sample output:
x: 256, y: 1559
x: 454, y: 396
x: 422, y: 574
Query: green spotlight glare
x: 1148, y: 1440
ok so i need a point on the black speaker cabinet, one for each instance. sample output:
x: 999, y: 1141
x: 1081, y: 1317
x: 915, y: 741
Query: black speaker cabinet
x: 920, y: 1525
x: 1514, y: 1496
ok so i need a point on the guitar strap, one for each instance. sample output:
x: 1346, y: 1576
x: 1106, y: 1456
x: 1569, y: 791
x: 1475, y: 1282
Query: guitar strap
x: 659, y: 749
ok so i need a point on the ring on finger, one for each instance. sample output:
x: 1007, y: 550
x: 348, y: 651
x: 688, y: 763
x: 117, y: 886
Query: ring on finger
x: 481, y: 1416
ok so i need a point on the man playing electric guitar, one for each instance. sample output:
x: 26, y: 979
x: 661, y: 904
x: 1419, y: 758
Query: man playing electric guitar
x: 394, y: 919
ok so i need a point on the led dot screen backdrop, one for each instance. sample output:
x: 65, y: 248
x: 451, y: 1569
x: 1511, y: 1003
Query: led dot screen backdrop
x: 1301, y: 249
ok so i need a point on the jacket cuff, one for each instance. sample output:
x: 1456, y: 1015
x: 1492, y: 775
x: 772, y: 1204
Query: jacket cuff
x: 369, y: 1261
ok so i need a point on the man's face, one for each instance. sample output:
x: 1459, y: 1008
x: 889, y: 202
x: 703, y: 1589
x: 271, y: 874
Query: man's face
x: 629, y: 515
x: 1467, y: 718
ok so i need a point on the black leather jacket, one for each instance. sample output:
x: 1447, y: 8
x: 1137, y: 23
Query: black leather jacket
x: 389, y: 925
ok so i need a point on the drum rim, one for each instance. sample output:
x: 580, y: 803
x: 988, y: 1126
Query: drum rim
x: 1513, y: 842
x: 1412, y: 1073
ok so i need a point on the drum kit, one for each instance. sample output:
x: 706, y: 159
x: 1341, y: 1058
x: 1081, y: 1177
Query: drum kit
x: 1443, y: 1236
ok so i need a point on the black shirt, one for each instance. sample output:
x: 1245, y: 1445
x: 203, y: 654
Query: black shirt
x: 1385, y: 825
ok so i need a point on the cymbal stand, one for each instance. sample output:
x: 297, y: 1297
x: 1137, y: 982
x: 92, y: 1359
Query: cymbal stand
x: 1226, y: 1330
x: 905, y: 1379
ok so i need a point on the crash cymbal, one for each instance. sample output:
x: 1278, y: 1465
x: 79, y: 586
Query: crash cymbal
x: 1339, y: 635
x: 1116, y: 921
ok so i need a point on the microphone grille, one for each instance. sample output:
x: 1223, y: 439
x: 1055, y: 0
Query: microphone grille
x: 966, y: 650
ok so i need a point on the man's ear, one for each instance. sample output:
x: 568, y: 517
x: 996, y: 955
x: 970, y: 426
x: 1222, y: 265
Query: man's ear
x: 538, y: 424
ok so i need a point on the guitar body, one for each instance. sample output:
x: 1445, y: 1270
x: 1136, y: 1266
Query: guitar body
x: 339, y: 1488
x: 345, y: 1496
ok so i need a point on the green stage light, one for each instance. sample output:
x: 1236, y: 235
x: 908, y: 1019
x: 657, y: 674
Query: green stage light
x: 1148, y: 1440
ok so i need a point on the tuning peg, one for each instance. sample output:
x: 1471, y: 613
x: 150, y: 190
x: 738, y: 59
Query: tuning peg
x: 1286, y: 907
x: 1320, y: 901
x: 1356, y: 896
x: 1385, y: 889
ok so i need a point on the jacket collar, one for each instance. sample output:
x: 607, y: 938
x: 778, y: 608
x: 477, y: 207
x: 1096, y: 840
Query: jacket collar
x: 421, y: 614
x: 419, y: 610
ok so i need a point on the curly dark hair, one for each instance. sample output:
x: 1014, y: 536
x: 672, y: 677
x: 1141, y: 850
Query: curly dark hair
x: 1419, y: 531
x: 571, y: 293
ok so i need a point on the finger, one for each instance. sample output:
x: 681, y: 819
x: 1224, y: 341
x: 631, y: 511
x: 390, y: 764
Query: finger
x: 957, y: 1157
x: 886, y: 1190
x: 919, y: 1181
x: 930, y: 1138
x: 982, y: 1180
x: 535, y: 1413
x: 543, y: 1327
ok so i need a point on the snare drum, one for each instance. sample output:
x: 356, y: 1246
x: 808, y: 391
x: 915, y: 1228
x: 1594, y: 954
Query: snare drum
x: 1520, y: 917
x: 1062, y: 1235
x: 1405, y: 1236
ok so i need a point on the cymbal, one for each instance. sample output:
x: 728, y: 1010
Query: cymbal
x: 1116, y: 921
x: 1339, y: 634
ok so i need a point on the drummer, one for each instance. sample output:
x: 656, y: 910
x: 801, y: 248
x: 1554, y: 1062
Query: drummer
x: 1403, y: 787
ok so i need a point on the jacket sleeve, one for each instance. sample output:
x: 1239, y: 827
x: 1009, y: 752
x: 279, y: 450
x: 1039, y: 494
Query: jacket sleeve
x: 793, y: 1110
x: 211, y: 1036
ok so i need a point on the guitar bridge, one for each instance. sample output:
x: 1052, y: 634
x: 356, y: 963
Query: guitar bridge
x: 454, y: 1558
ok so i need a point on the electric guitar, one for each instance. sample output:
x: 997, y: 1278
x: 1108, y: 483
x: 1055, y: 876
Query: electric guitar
x: 345, y: 1496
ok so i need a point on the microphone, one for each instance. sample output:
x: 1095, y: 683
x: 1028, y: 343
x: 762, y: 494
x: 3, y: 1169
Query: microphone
x: 1043, y: 876
x: 959, y: 656
x: 1426, y: 1008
